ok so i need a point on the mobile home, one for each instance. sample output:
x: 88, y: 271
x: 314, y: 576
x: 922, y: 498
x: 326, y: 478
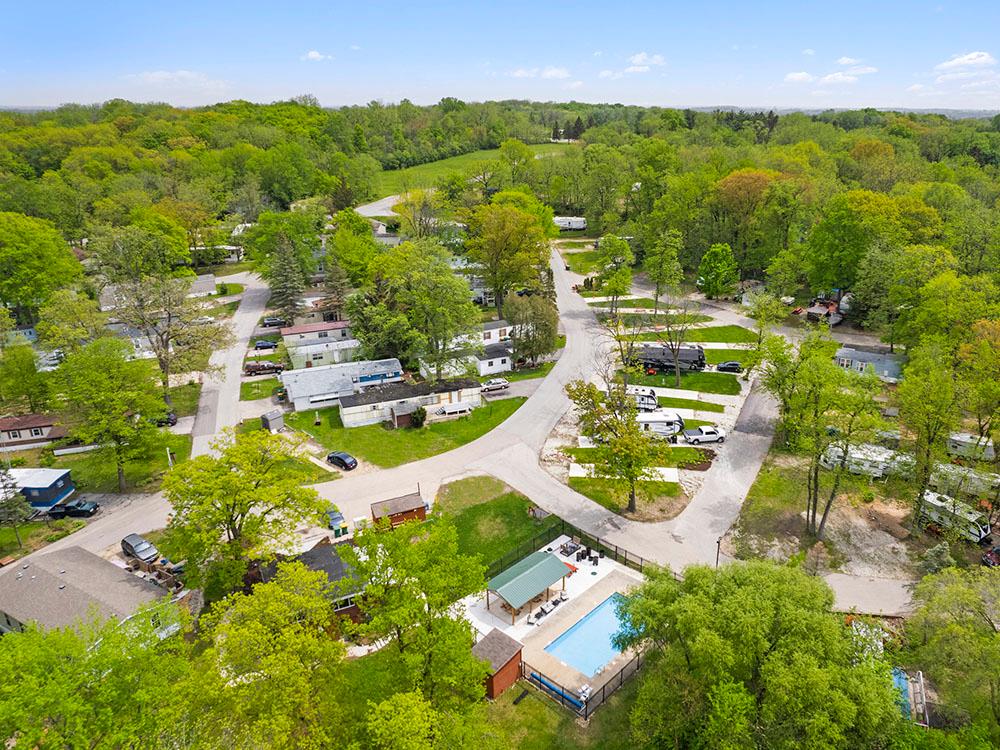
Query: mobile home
x: 660, y: 423
x: 953, y: 515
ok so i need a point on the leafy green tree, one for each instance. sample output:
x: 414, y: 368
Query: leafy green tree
x: 954, y: 635
x: 525, y: 200
x: 111, y: 401
x: 946, y: 305
x: 534, y: 326
x: 382, y: 331
x: 751, y: 656
x: 68, y: 320
x: 662, y: 265
x: 7, y: 326
x: 405, y: 721
x: 718, y: 272
x: 152, y: 245
x: 507, y: 247
x: 15, y: 509
x: 286, y: 282
x: 336, y: 287
x: 412, y: 576
x: 420, y: 212
x: 300, y: 229
x: 35, y: 261
x: 23, y: 387
x: 284, y: 173
x: 979, y: 371
x: 236, y: 506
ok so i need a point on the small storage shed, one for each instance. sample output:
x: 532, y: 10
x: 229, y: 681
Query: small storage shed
x: 504, y: 656
x: 274, y: 420
x: 399, y: 510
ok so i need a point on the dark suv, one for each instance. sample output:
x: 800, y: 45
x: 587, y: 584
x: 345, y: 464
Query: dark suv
x: 135, y: 546
x: 76, y: 508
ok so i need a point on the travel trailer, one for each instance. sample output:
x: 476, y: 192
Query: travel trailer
x: 870, y: 460
x: 645, y: 398
x: 954, y: 515
x: 971, y: 446
x: 660, y: 423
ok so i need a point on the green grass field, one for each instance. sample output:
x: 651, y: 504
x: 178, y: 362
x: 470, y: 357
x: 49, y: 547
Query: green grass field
x: 226, y: 288
x: 251, y: 390
x: 610, y: 495
x: 723, y: 335
x: 35, y: 535
x: 576, y: 244
x: 583, y: 262
x: 491, y: 518
x: 634, y: 319
x: 636, y: 302
x: 673, y: 402
x: 714, y: 356
x: 426, y: 175
x: 95, y: 472
x: 705, y: 382
x: 667, y: 455
x: 387, y: 448
x: 527, y: 373
x: 185, y: 398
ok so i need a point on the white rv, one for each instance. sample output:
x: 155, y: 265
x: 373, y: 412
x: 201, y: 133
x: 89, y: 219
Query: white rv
x: 954, y: 515
x: 971, y: 446
x: 645, y: 398
x: 570, y: 222
x: 660, y: 423
x: 955, y: 480
x: 870, y: 460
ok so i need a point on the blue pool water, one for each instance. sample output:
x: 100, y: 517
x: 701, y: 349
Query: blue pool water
x: 587, y: 645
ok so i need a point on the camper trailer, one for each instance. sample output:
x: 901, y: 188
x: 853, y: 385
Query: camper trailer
x: 566, y: 223
x: 959, y: 480
x: 870, y: 460
x: 660, y: 423
x: 645, y: 398
x: 954, y: 515
x: 971, y: 446
x: 659, y: 357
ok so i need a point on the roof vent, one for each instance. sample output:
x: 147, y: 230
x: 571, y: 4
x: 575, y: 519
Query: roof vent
x: 62, y: 586
x: 61, y: 572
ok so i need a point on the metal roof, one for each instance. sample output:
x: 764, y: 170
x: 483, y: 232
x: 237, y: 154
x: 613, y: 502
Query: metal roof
x: 383, y: 394
x: 37, y: 478
x: 340, y: 379
x: 525, y: 580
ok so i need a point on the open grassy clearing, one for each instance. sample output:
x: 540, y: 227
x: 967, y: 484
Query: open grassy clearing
x: 648, y: 319
x: 490, y: 517
x: 576, y: 244
x: 252, y: 390
x: 729, y: 334
x: 225, y: 310
x: 525, y: 373
x: 185, y: 399
x: 657, y: 501
x: 388, y: 448
x: 714, y: 356
x: 426, y: 175
x: 705, y: 382
x: 638, y: 302
x: 227, y: 288
x: 583, y: 262
x: 672, y: 402
x: 666, y: 455
x: 35, y: 535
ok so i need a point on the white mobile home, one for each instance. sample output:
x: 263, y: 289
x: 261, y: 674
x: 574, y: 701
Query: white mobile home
x: 660, y: 423
x: 960, y: 480
x: 395, y: 403
x: 953, y: 515
x: 323, y: 353
x: 318, y: 387
x: 316, y: 333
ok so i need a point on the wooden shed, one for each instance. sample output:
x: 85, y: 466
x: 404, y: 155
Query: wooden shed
x: 399, y: 510
x: 504, y: 656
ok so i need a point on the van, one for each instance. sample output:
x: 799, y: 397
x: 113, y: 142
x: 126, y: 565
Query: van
x: 953, y: 515
x: 660, y: 423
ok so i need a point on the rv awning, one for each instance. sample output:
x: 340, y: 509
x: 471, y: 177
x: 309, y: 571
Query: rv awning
x: 525, y: 580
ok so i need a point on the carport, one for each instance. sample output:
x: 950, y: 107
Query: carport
x: 526, y: 579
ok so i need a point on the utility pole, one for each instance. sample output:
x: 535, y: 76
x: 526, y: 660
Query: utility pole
x: 718, y: 549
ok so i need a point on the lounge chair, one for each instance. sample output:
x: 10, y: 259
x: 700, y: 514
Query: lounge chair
x: 546, y: 608
x: 563, y: 596
x: 531, y: 619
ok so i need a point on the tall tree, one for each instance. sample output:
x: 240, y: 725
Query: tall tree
x: 68, y: 320
x: 300, y: 229
x: 662, y: 265
x: 23, y: 387
x: 35, y: 261
x: 152, y: 245
x: 507, y: 247
x: 286, y: 282
x: 238, y: 505
x: 15, y: 509
x: 718, y: 272
x: 534, y: 326
x: 673, y: 325
x: 111, y: 401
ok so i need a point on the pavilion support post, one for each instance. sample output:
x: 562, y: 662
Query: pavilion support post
x: 513, y: 614
x: 564, y: 585
x: 488, y: 599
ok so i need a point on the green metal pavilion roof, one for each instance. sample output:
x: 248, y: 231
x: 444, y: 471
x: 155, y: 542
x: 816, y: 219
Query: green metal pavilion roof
x: 525, y: 580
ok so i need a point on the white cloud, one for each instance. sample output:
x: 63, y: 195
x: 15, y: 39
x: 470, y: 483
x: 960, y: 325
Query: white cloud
x: 838, y: 78
x: 968, y: 60
x: 862, y: 70
x: 598, y: 53
x: 524, y: 73
x: 573, y: 85
x: 637, y: 69
x: 315, y: 56
x: 847, y: 61
x: 554, y: 72
x: 609, y: 74
x: 355, y: 47
x: 809, y: 51
x: 959, y: 75
x: 178, y: 81
x: 915, y: 88
x: 800, y: 77
x: 645, y: 59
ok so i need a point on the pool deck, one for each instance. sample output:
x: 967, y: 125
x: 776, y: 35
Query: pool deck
x: 585, y: 589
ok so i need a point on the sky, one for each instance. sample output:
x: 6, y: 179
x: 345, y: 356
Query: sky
x: 770, y: 53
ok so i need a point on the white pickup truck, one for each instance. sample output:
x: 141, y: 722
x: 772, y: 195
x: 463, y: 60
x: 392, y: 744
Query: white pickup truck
x: 705, y: 435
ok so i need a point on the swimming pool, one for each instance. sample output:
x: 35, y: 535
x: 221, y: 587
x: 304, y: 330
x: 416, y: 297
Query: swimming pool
x: 587, y: 646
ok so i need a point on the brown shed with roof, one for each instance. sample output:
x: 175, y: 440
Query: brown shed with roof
x: 504, y: 656
x: 401, y: 509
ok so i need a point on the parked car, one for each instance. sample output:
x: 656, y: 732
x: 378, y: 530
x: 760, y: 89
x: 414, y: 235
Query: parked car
x: 75, y: 508
x: 705, y: 435
x: 495, y: 384
x: 264, y: 344
x: 730, y: 366
x: 262, y: 368
x: 167, y: 420
x: 991, y: 558
x: 342, y: 460
x: 203, y: 320
x: 272, y: 321
x: 135, y: 546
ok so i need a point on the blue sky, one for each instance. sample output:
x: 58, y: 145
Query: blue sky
x: 780, y: 53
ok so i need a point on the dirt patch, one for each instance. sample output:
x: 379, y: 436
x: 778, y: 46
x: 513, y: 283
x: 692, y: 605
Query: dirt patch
x: 788, y: 460
x: 661, y: 508
x: 553, y: 457
x: 865, y: 546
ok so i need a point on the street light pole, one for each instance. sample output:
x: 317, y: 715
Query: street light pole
x: 718, y: 549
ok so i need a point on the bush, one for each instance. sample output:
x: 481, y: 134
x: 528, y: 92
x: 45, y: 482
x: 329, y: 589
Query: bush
x: 936, y: 559
x: 868, y: 496
x: 418, y: 417
x: 223, y: 289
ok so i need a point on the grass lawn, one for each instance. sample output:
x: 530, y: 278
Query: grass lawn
x: 251, y: 390
x: 666, y: 455
x: 650, y: 319
x: 714, y: 356
x: 715, y: 334
x: 265, y: 355
x: 185, y: 398
x: 426, y: 175
x: 706, y: 382
x: 690, y: 424
x: 656, y: 501
x: 583, y: 262
x: 576, y: 245
x: 35, y: 535
x: 587, y: 293
x: 672, y: 402
x: 223, y: 311
x: 94, y: 472
x: 228, y: 269
x: 306, y: 472
x: 561, y: 341
x: 643, y: 302
x: 228, y: 287
x: 491, y: 518
x: 527, y: 373
x: 389, y: 448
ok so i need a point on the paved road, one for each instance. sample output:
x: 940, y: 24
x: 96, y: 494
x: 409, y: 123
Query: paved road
x: 510, y: 453
x: 381, y: 207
